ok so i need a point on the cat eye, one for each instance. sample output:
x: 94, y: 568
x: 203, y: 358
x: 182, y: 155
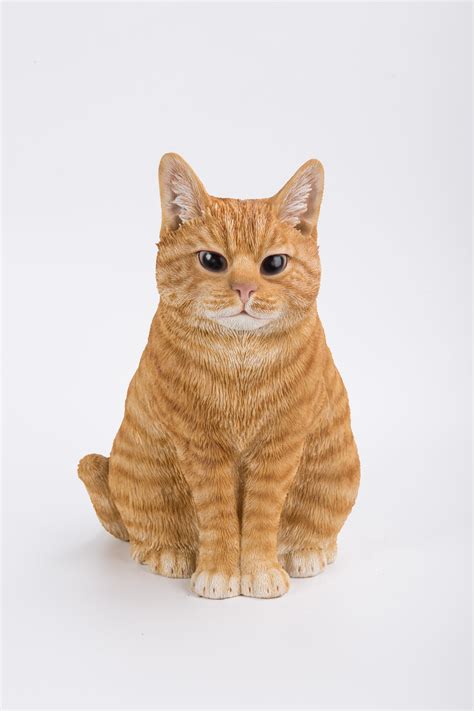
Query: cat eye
x: 213, y: 261
x: 274, y: 264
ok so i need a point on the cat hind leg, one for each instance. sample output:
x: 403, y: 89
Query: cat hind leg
x: 307, y: 562
x: 93, y: 470
x: 170, y: 562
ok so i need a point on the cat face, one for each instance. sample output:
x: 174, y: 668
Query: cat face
x: 240, y: 265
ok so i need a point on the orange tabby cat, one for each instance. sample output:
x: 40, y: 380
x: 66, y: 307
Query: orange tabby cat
x: 235, y: 461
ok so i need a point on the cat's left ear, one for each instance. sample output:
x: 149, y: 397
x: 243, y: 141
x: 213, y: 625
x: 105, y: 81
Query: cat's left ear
x: 299, y: 200
x: 183, y: 196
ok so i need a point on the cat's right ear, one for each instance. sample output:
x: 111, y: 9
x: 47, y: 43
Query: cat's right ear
x: 183, y: 196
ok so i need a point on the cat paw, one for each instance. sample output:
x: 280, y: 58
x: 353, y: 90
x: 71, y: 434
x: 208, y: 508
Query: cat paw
x: 216, y: 586
x: 306, y: 563
x: 266, y: 583
x: 170, y: 563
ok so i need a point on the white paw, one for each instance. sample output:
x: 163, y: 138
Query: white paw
x: 167, y: 561
x: 304, y: 563
x: 175, y: 564
x: 268, y: 582
x: 215, y: 585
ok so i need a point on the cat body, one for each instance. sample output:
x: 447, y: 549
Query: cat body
x: 235, y: 462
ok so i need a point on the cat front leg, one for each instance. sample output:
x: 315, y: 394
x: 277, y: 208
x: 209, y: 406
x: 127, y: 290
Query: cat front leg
x: 210, y: 475
x: 268, y: 477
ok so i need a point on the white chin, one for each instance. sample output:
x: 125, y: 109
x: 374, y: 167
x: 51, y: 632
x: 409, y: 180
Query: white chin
x: 242, y: 322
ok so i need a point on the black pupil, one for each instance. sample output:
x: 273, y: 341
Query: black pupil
x: 274, y: 263
x: 213, y: 261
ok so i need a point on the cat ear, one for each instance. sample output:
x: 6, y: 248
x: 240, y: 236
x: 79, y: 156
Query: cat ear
x: 183, y: 196
x: 298, y: 202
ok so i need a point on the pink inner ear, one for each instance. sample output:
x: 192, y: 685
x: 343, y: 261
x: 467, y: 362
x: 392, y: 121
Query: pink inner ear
x: 183, y: 196
x: 186, y: 201
x: 296, y: 202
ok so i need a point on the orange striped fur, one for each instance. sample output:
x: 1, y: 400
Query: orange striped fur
x: 235, y: 462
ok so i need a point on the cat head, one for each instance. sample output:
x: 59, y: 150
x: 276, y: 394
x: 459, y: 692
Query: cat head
x: 243, y: 265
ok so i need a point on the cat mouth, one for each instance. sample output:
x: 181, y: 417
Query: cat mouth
x: 242, y: 320
x: 245, y: 313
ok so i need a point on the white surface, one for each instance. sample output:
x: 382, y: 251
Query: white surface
x: 94, y: 94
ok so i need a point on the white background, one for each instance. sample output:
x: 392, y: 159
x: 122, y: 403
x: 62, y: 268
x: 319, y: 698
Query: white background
x: 93, y: 96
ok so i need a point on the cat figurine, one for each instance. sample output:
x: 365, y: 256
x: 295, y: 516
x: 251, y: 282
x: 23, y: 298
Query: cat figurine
x: 235, y: 463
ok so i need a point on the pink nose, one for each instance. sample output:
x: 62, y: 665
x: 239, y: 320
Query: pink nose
x: 245, y: 291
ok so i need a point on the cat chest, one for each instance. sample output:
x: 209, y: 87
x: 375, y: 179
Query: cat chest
x: 249, y: 403
x: 236, y: 398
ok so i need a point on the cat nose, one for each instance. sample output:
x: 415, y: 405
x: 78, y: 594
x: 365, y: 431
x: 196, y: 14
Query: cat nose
x: 245, y: 291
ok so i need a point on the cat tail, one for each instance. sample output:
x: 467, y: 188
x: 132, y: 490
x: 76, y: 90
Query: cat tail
x: 93, y: 470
